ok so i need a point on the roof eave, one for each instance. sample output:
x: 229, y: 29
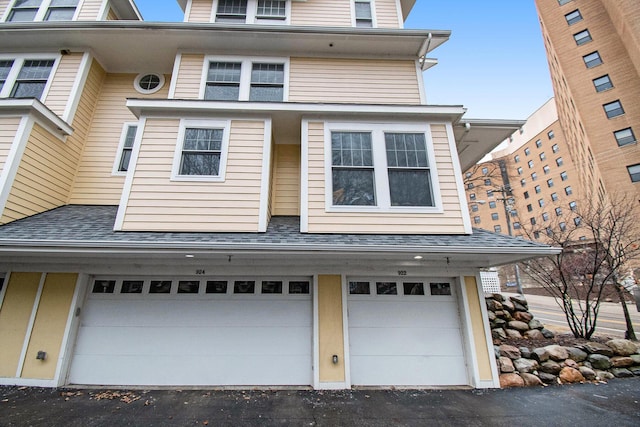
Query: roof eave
x: 477, y: 137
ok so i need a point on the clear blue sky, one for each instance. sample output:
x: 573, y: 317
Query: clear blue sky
x: 494, y: 64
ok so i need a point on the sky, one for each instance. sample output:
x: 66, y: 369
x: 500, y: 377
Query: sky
x: 494, y: 63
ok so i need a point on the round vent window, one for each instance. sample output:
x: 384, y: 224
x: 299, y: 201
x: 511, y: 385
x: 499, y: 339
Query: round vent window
x: 149, y: 83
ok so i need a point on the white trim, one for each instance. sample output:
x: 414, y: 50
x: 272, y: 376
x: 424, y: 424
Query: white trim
x: 140, y: 89
x: 421, y: 87
x: 18, y: 63
x: 34, y: 108
x: 304, y: 176
x: 175, y: 73
x: 30, y: 325
x: 265, y: 184
x: 246, y: 64
x: 187, y: 12
x: 488, y: 339
x: 79, y: 7
x: 251, y: 16
x: 5, y: 285
x: 28, y: 382
x: 400, y: 16
x: 128, y: 182
x: 466, y: 328
x: 123, y: 136
x: 345, y: 332
x: 225, y: 124
x: 380, y: 166
x: 316, y: 334
x: 10, y: 169
x: 457, y: 169
x: 78, y: 87
x: 70, y: 331
x: 372, y: 5
x: 104, y: 11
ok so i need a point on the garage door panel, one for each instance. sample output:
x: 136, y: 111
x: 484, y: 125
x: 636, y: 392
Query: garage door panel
x: 406, y: 371
x: 405, y: 341
x: 402, y: 313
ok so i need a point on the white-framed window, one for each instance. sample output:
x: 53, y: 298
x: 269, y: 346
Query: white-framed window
x: 148, y: 83
x: 252, y: 11
x: 125, y: 148
x: 42, y: 10
x: 363, y: 13
x: 25, y: 76
x: 380, y: 167
x: 201, y: 151
x: 229, y: 78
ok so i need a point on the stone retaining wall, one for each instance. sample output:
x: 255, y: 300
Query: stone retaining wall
x: 552, y: 364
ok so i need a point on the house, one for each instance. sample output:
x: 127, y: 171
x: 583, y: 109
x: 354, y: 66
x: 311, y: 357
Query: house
x: 259, y: 195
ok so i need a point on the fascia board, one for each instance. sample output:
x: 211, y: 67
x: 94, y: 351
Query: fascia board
x: 38, y: 110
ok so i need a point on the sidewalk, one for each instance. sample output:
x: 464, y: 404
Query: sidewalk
x: 616, y: 403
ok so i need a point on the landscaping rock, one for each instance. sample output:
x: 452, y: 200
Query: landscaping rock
x: 547, y: 333
x: 635, y: 358
x: 531, y: 380
x: 498, y: 333
x: 523, y: 316
x: 635, y: 370
x: 519, y: 307
x: 621, y: 362
x: 523, y: 365
x: 621, y: 372
x: 508, y: 305
x: 604, y: 375
x: 570, y: 375
x: 493, y: 305
x: 551, y: 367
x: 496, y: 351
x: 540, y: 354
x: 519, y: 326
x: 557, y: 352
x: 511, y: 380
x: 498, y: 297
x: 499, y: 313
x: 500, y: 323
x: 491, y: 315
x: 519, y: 299
x: 547, y: 378
x: 525, y: 352
x: 505, y: 365
x: 576, y: 354
x: 534, y: 334
x: 570, y: 363
x: 587, y: 373
x: 599, y: 361
x: 510, y: 351
x: 596, y: 348
x: 507, y: 316
x: 512, y: 333
x: 535, y: 324
x: 622, y: 347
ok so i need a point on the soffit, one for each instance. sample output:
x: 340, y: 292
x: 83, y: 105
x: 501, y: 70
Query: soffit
x: 475, y: 138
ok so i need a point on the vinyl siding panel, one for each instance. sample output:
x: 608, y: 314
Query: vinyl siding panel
x: 320, y: 221
x: 328, y: 13
x: 387, y: 14
x: 4, y: 4
x: 286, y: 180
x: 111, y: 16
x: 353, y: 81
x: 158, y: 204
x: 200, y: 11
x: 62, y: 83
x: 8, y: 128
x: 189, y: 77
x: 95, y: 184
x: 90, y: 10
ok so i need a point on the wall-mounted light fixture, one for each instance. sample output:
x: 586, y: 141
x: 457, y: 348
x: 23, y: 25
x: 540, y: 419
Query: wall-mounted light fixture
x: 42, y: 355
x: 334, y: 359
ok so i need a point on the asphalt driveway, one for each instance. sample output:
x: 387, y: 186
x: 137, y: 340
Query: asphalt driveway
x: 615, y: 403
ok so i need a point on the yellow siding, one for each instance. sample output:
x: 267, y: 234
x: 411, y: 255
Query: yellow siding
x: 90, y: 10
x: 111, y: 16
x: 158, y: 204
x: 4, y: 4
x: 320, y: 221
x: 49, y: 325
x: 15, y: 314
x: 94, y: 183
x: 475, y: 312
x: 62, y: 83
x: 286, y: 180
x: 353, y: 81
x: 8, y: 128
x: 386, y: 14
x: 189, y: 77
x: 330, y: 329
x: 200, y: 11
x: 331, y: 13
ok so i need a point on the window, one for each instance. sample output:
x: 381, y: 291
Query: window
x: 538, y: 143
x: 492, y: 204
x: 545, y: 216
x: 474, y: 208
x: 245, y: 287
x: 623, y: 136
x: 564, y: 176
x: 485, y: 171
x: 613, y: 109
x: 476, y: 220
x: 542, y: 156
x: 541, y: 203
x: 573, y: 206
x: 634, y: 172
x: 527, y: 151
x: 558, y: 211
x: 546, y: 169
x: 523, y: 182
x: 497, y: 229
x: 468, y: 175
x: 532, y: 221
x: 487, y: 181
x: 272, y: 10
x: 602, y: 83
x: 534, y: 176
x: 577, y: 221
x: 494, y: 216
x: 561, y: 2
x: 555, y: 148
x: 582, y: 37
x: 29, y: 82
x: 39, y: 10
x: 61, y: 10
x: 231, y: 11
x: 530, y: 163
x: 568, y: 190
x: 573, y: 17
x: 201, y: 151
x: 489, y: 193
x: 256, y: 79
x: 516, y: 159
x: 529, y: 208
x: 554, y: 197
x: 386, y: 288
x: 472, y: 196
x: 538, y: 189
x: 517, y: 226
x: 126, y: 146
x: 550, y: 183
x: 148, y: 83
x: 377, y: 167
x: 592, y: 60
x: 470, y: 185
x: 551, y: 135
x: 363, y: 13
x: 559, y: 161
x: 526, y: 194
x: 519, y: 171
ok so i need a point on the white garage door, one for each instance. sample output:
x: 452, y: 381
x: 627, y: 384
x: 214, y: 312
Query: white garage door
x: 405, y: 333
x: 195, y: 332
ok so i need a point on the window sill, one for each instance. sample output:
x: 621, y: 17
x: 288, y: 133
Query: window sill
x: 387, y: 210
x: 196, y: 178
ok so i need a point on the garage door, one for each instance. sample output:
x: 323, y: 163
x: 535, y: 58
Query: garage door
x: 221, y: 331
x: 405, y: 333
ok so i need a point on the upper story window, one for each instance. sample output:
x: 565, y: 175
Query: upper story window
x: 582, y: 37
x: 527, y: 151
x: 538, y: 143
x: 634, y: 172
x: 573, y: 17
x: 561, y: 2
x: 516, y: 158
x: 42, y: 10
x: 125, y: 149
x: 602, y: 83
x: 613, y: 109
x: 260, y: 79
x: 555, y: 148
x: 592, y: 60
x: 24, y: 78
x: 201, y: 151
x: 363, y: 13
x: 252, y: 11
x: 376, y: 167
x: 551, y: 135
x: 623, y: 136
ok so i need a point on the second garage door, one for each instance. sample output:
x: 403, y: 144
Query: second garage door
x: 405, y: 333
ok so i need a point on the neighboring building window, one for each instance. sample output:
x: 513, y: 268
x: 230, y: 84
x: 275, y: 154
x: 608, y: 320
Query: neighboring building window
x: 592, y: 60
x: 363, y: 13
x: 516, y: 159
x: 558, y: 211
x: 613, y: 109
x: 472, y: 196
x: 476, y: 219
x: 562, y: 2
x: 536, y: 234
x: 517, y: 226
x: 519, y: 171
x: 555, y: 148
x: 529, y: 208
x: 623, y: 136
x: 487, y: 181
x: 470, y: 185
x: 129, y: 137
x: 523, y: 182
x: 550, y: 183
x: 573, y: 206
x: 551, y: 135
x: 530, y: 163
x: 634, y: 172
x: 563, y: 226
x: 485, y: 171
x: 546, y: 169
x: 526, y: 194
x: 554, y: 197
x: 568, y: 190
x: 494, y: 216
x: 538, y: 143
x: 542, y: 156
x: 577, y: 221
x: 267, y: 82
x: 602, y: 83
x: 489, y: 193
x: 32, y: 79
x: 245, y: 80
x: 538, y: 189
x: 534, y: 176
x: 492, y: 204
x: 474, y: 208
x: 497, y: 229
x: 559, y: 161
x: 527, y: 151
x: 468, y: 175
x: 582, y: 37
x: 573, y: 17
x: 564, y: 176
x: 541, y: 203
x: 532, y: 221
x: 545, y: 216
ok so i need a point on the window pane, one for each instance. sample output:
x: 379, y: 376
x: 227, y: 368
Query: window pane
x: 271, y: 287
x: 351, y: 149
x: 28, y: 89
x: 160, y: 287
x: 244, y: 287
x: 131, y: 136
x: 60, y: 14
x: 602, y: 83
x: 410, y: 188
x: 634, y: 172
x: 132, y: 287
x: 228, y: 72
x: 613, y: 109
x: 188, y: 286
x: 200, y: 164
x: 582, y: 37
x: 406, y: 150
x: 267, y: 73
x: 413, y: 288
x: 272, y: 9
x: 36, y: 69
x: 573, y: 17
x: 364, y: 16
x: 623, y: 137
x: 386, y: 288
x: 5, y: 68
x: 266, y: 93
x: 231, y: 10
x: 592, y: 60
x: 104, y: 286
x: 216, y: 287
x: 124, y: 160
x: 203, y: 139
x: 359, y: 288
x: 440, y: 288
x: 353, y: 187
x: 63, y: 3
x: 221, y: 92
x: 299, y: 287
